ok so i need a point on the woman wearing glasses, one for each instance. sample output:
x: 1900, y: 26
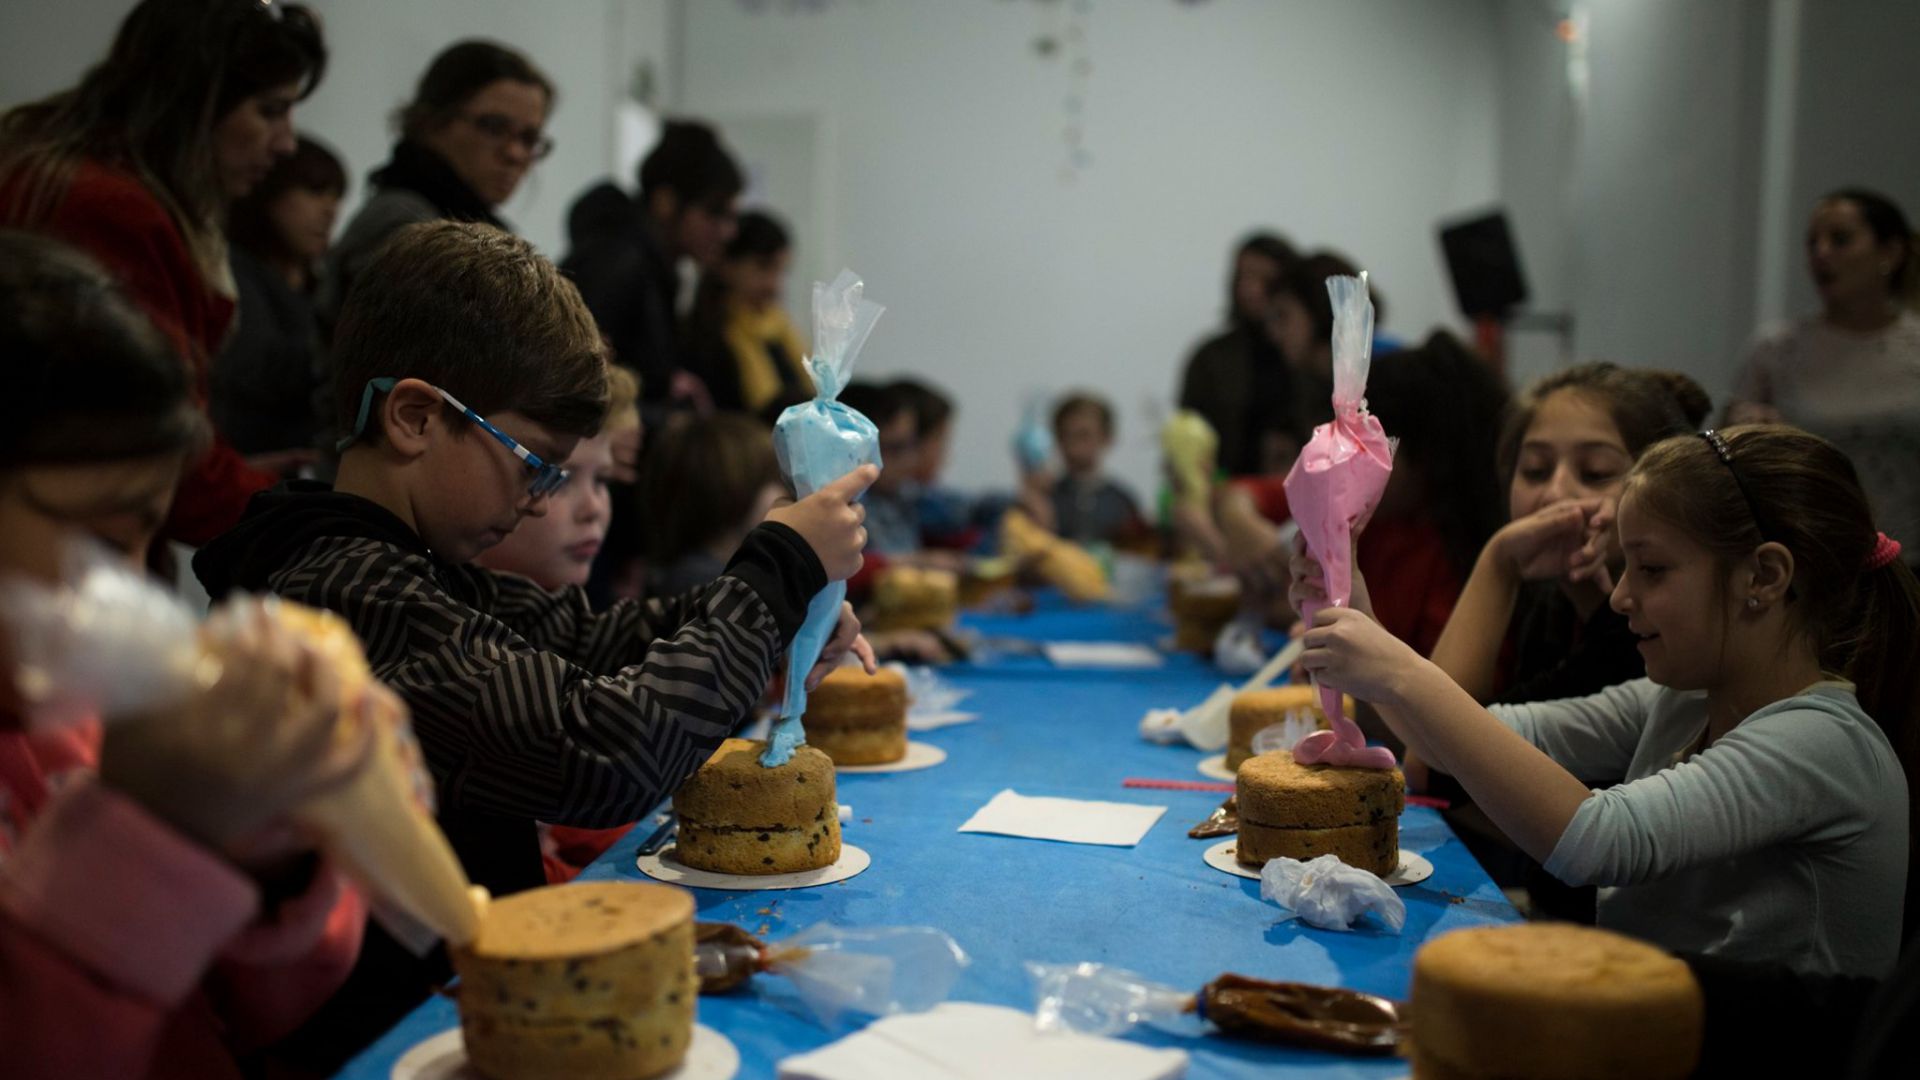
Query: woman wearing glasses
x: 474, y: 128
x: 137, y: 164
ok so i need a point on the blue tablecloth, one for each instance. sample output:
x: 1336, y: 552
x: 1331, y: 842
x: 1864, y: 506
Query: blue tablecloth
x: 1156, y: 909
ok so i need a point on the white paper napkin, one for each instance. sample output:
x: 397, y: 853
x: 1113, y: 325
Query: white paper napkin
x: 1101, y: 654
x: 1075, y: 821
x: 963, y: 1040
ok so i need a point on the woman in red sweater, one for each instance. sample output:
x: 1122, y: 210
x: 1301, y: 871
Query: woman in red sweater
x: 136, y: 165
x: 157, y: 915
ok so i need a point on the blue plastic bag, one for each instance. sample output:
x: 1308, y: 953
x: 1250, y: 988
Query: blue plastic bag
x: 817, y: 443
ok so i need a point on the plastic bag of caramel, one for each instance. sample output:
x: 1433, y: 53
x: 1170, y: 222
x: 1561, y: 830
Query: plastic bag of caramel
x: 873, y: 970
x: 1095, y: 999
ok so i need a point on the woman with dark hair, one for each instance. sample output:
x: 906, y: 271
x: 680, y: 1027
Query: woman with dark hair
x: 1241, y: 365
x: 137, y: 164
x: 474, y: 128
x: 265, y: 380
x: 1851, y: 374
x: 739, y: 338
x: 158, y: 915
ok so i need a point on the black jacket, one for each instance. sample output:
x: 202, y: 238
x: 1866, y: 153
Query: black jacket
x: 628, y: 282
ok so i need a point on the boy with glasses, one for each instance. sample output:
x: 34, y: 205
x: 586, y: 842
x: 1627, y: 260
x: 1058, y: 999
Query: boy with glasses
x: 466, y: 368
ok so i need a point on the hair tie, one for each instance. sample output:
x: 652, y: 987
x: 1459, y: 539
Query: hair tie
x: 1885, y: 550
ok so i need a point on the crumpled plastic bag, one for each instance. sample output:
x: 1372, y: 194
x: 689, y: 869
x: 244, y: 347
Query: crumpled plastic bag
x: 1239, y: 649
x: 816, y: 443
x: 1329, y: 894
x: 1332, y: 490
x: 1099, y: 999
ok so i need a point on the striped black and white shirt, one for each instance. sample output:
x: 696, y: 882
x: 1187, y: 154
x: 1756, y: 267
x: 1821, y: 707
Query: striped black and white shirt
x: 528, y: 704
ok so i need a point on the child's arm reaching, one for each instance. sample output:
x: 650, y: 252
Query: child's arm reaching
x: 1538, y: 547
x: 1525, y: 792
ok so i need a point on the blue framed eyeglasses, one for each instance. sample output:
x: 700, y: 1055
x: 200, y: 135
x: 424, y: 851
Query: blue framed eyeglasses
x: 547, y: 478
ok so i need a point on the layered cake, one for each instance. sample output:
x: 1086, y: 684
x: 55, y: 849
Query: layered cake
x: 739, y: 817
x: 1551, y: 1000
x: 908, y: 598
x: 1201, y: 609
x: 1305, y: 811
x: 859, y: 719
x: 581, y: 980
x: 1257, y: 710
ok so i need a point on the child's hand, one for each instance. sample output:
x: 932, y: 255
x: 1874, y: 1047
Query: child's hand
x: 1542, y: 545
x: 1348, y: 651
x: 1309, y: 579
x: 832, y: 522
x: 1602, y: 549
x: 237, y: 756
x: 846, y: 638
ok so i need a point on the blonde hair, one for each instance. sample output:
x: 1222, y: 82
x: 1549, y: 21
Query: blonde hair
x: 623, y: 400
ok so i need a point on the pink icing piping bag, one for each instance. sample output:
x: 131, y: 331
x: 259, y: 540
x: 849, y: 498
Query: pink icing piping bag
x: 1332, y: 490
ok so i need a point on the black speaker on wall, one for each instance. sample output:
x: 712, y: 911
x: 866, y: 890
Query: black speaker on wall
x: 1484, y: 265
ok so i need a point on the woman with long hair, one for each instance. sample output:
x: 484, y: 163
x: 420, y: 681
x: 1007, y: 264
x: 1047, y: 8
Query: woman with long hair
x: 140, y: 178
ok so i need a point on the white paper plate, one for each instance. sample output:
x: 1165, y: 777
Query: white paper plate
x: 919, y: 756
x: 1412, y: 870
x: 710, y: 1056
x: 664, y: 866
x: 1216, y: 768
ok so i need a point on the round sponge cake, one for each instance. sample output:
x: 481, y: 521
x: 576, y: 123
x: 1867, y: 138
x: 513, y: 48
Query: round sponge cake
x: 909, y: 598
x: 739, y: 817
x: 1552, y: 1000
x: 859, y: 719
x: 1257, y: 710
x: 1304, y: 811
x: 580, y: 980
x: 1201, y: 609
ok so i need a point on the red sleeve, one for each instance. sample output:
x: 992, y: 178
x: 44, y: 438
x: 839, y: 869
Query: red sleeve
x: 860, y: 585
x: 92, y: 984
x: 214, y: 494
x: 1269, y: 495
x: 279, y: 971
x: 88, y: 980
x: 118, y: 223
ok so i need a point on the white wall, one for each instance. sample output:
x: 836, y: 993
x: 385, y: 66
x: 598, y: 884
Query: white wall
x: 941, y: 174
x: 1858, y: 115
x: 378, y: 51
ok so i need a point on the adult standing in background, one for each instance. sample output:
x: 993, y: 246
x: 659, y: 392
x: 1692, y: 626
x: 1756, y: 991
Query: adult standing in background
x: 738, y: 337
x: 266, y: 379
x: 1240, y: 366
x: 475, y: 127
x: 626, y: 251
x: 136, y: 166
x: 1851, y: 374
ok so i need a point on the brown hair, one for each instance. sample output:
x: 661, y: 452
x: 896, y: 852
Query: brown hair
x: 462, y: 70
x: 1888, y: 224
x: 88, y: 377
x: 176, y: 67
x: 699, y: 480
x: 1074, y: 403
x: 1306, y: 281
x: 479, y: 313
x: 311, y: 167
x: 1865, y: 624
x: 1645, y: 406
